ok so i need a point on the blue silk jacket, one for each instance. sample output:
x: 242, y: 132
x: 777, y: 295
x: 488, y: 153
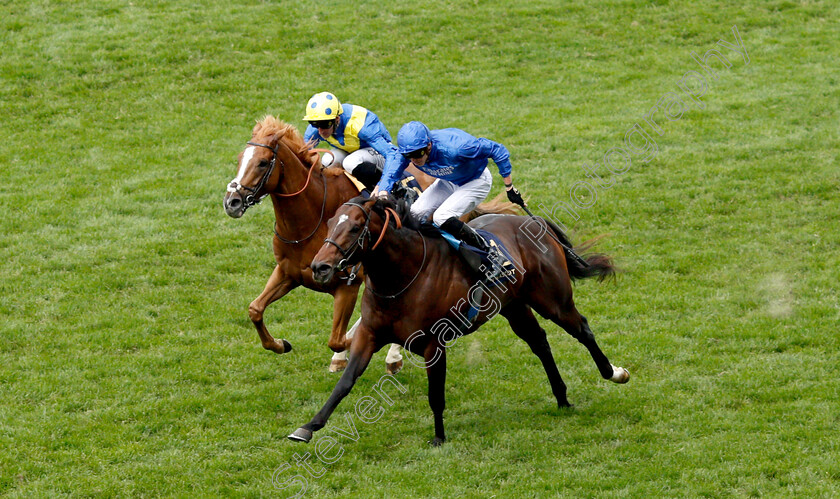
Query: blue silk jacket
x: 456, y: 156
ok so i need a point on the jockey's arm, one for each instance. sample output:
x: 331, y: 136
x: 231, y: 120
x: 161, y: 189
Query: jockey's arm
x: 378, y: 143
x: 395, y: 164
x: 499, y: 154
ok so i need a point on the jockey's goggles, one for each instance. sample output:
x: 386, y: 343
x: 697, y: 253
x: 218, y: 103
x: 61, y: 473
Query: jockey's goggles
x: 419, y: 153
x: 322, y: 124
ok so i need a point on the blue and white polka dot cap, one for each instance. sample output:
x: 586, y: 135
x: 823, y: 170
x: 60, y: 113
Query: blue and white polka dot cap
x: 323, y: 105
x: 328, y: 111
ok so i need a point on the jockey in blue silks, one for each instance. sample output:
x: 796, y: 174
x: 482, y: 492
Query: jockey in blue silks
x: 459, y: 162
x: 359, y: 141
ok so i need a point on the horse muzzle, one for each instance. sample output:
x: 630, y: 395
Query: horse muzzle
x: 234, y: 205
x: 322, y: 272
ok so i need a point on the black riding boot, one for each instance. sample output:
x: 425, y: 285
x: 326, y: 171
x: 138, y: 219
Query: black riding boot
x: 466, y: 234
x: 368, y: 174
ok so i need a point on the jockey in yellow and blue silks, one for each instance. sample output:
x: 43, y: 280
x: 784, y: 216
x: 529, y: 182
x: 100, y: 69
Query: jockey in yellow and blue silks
x: 360, y: 142
x: 459, y: 162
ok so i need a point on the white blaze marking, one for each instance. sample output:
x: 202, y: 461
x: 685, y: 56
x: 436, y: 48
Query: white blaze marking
x: 341, y: 220
x: 246, y: 158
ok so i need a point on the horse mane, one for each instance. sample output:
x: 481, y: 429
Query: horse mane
x: 403, y: 210
x: 289, y: 134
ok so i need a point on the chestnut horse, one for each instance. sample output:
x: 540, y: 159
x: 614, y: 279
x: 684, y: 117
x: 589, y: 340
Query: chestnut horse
x: 277, y: 163
x: 417, y: 293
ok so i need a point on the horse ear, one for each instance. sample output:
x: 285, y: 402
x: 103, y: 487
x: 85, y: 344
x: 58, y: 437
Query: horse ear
x: 380, y: 204
x: 256, y: 129
x: 274, y: 138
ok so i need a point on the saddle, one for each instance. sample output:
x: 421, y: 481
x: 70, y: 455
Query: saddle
x: 497, y: 266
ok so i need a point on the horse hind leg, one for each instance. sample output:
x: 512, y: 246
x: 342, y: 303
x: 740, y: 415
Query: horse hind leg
x: 576, y: 325
x: 436, y: 374
x: 526, y: 326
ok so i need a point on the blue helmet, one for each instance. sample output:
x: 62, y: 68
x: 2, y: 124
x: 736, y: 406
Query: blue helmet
x: 413, y: 136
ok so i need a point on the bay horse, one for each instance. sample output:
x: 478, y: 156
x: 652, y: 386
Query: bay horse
x: 279, y: 164
x: 417, y: 290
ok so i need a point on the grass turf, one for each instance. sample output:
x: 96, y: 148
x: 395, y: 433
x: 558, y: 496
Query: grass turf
x: 129, y: 365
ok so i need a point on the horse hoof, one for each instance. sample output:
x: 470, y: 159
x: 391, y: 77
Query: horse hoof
x: 287, y: 347
x: 301, y: 435
x: 337, y: 366
x: 436, y: 442
x: 394, y: 367
x: 620, y: 375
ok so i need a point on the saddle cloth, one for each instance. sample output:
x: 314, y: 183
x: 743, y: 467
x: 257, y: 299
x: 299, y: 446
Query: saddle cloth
x: 499, y: 262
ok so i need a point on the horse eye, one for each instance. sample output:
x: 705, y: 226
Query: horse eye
x: 263, y: 163
x: 354, y: 229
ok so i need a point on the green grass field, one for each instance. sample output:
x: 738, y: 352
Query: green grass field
x: 129, y: 364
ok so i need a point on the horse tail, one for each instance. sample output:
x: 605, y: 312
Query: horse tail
x: 496, y: 206
x: 590, y: 265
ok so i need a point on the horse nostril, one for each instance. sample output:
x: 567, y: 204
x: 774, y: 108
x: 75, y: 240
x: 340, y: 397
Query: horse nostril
x: 234, y: 203
x: 321, y: 270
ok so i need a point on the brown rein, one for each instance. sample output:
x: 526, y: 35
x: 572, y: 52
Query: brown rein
x: 305, y: 185
x: 323, y: 206
x: 388, y: 212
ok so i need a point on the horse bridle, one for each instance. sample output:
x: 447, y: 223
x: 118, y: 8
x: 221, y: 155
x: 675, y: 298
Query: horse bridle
x: 251, y: 199
x: 359, y: 243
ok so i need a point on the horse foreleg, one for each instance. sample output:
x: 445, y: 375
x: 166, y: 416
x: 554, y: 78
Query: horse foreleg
x: 344, y: 299
x: 577, y: 326
x: 393, y: 361
x: 360, y: 353
x: 436, y: 372
x: 526, y: 326
x: 339, y: 359
x: 277, y: 286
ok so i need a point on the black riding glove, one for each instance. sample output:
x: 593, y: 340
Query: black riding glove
x: 514, y: 196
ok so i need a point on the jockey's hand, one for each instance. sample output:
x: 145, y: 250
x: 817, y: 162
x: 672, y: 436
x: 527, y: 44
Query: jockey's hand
x: 514, y: 196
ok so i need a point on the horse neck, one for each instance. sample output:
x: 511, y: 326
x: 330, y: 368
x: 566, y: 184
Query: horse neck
x: 301, y: 209
x: 401, y: 252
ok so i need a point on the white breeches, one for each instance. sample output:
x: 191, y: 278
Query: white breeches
x: 350, y: 161
x: 393, y: 352
x: 444, y: 200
